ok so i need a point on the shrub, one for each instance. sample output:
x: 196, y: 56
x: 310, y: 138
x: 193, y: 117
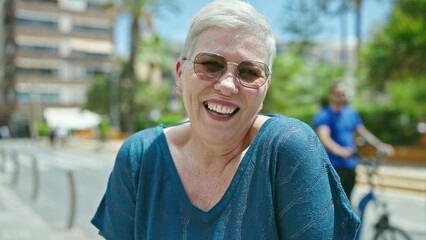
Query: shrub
x: 391, y: 126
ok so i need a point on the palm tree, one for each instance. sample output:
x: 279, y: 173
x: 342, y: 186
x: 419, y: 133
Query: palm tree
x: 303, y: 30
x: 157, y: 55
x: 142, y: 14
x: 341, y: 7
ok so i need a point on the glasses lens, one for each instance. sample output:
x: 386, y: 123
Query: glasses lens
x: 209, y: 66
x: 252, y: 74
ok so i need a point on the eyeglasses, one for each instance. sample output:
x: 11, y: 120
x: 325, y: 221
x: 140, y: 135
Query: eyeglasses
x: 339, y: 93
x: 210, y: 67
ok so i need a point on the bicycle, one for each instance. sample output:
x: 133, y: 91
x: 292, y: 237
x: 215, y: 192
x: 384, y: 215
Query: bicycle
x: 383, y: 229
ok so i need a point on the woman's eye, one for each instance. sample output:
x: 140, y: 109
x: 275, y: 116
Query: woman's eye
x: 248, y: 73
x: 212, y: 66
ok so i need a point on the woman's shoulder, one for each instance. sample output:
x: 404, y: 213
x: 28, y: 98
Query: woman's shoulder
x: 287, y: 131
x: 293, y: 140
x: 278, y: 122
x: 142, y: 138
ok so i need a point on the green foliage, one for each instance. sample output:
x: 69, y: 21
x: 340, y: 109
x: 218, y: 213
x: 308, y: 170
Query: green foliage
x: 43, y: 129
x: 104, y: 128
x: 151, y: 99
x: 298, y: 85
x: 170, y: 118
x: 397, y: 50
x: 393, y: 116
x: 156, y: 52
x: 409, y: 96
x: 98, y: 95
x: 395, y: 61
x: 391, y: 126
x: 152, y: 105
x: 137, y: 99
x: 142, y: 13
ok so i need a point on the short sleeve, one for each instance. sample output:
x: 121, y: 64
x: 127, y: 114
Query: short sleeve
x: 321, y: 118
x: 357, y: 119
x: 115, y: 215
x: 310, y: 201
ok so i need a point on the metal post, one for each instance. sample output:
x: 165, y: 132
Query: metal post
x: 36, y: 179
x: 73, y: 198
x: 16, y: 171
x: 3, y: 161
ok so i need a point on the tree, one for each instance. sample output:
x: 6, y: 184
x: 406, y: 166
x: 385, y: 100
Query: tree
x: 409, y: 96
x: 142, y: 12
x: 153, y: 97
x: 298, y: 85
x: 397, y: 50
x: 157, y: 55
x: 302, y: 29
x: 98, y: 96
x: 341, y: 7
x: 152, y: 103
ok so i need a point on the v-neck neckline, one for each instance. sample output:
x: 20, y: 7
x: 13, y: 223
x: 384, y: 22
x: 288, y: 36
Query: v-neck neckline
x: 233, y: 186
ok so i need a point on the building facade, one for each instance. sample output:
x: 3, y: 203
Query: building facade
x: 51, y: 50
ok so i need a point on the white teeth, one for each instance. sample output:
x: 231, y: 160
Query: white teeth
x: 220, y: 108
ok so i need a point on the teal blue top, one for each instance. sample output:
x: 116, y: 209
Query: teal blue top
x: 284, y: 188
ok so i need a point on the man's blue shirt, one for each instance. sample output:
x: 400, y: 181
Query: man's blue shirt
x: 343, y: 125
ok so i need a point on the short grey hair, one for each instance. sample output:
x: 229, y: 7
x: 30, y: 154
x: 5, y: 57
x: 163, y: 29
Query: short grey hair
x: 231, y: 14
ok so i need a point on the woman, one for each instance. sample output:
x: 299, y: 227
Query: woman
x: 228, y: 173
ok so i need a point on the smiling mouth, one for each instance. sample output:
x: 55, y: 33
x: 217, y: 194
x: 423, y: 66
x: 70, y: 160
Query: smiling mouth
x: 220, y: 109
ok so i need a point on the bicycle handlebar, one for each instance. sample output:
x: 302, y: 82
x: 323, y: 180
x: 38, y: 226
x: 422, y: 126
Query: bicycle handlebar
x: 372, y: 163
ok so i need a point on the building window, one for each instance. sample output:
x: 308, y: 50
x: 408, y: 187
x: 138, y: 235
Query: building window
x: 82, y: 54
x: 49, y: 97
x: 93, y: 72
x: 45, y: 23
x: 24, y: 97
x: 9, y: 48
x: 38, y: 71
x: 92, y: 29
x: 39, y: 49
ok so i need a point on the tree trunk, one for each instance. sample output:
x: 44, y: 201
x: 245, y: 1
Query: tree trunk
x: 129, y: 112
x: 358, y: 28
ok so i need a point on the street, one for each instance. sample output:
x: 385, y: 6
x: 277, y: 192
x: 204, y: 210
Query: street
x: 81, y: 174
x: 89, y: 171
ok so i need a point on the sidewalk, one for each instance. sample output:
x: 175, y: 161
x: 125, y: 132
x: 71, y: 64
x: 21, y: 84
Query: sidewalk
x: 18, y: 221
x: 92, y: 145
x: 18, y: 218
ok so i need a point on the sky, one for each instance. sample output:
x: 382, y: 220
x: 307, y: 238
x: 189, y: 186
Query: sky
x: 173, y: 26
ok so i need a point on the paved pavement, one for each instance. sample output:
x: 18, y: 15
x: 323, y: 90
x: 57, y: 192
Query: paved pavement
x: 18, y: 218
x: 19, y: 221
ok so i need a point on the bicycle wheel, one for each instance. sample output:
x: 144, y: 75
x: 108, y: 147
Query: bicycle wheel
x: 391, y: 233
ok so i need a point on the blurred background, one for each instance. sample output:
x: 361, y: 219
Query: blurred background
x: 82, y: 75
x: 75, y: 65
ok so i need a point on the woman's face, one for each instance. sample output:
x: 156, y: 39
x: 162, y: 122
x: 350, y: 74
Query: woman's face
x: 222, y: 108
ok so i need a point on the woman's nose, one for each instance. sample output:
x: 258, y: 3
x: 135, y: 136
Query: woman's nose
x: 227, y: 83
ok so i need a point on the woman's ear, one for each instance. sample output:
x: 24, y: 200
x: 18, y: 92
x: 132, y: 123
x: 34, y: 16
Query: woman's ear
x: 179, y: 69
